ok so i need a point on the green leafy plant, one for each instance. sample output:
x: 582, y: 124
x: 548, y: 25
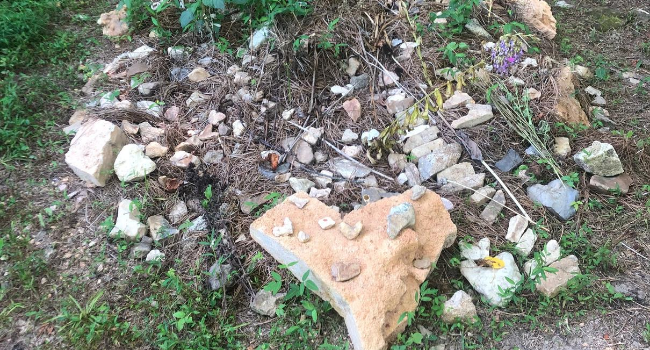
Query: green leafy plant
x: 457, y: 14
x: 326, y: 39
x: 208, y: 196
x: 571, y: 179
x: 453, y: 53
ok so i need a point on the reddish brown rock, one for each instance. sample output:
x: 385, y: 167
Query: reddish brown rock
x: 608, y: 185
x: 371, y: 303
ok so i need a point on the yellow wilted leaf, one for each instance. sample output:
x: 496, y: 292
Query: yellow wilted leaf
x: 438, y: 96
x: 494, y: 263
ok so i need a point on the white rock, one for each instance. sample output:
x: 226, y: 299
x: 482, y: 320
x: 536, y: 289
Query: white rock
x: 145, y: 89
x: 458, y: 99
x: 287, y: 114
x: 284, y: 230
x: 312, y: 135
x: 352, y: 151
x: 196, y: 98
x: 155, y: 255
x: 526, y: 243
x: 533, y: 93
x: 368, y: 136
x: 475, y: 251
x: 303, y: 237
x: 183, y: 159
x: 549, y: 255
x: 132, y: 164
x: 141, y: 52
x: 198, y: 74
x: 459, y: 307
x: 320, y: 194
x: 150, y: 107
x: 477, y: 114
x: 299, y: 202
x: 178, y: 212
x: 493, y: 283
x: 353, y: 66
x: 593, y: 91
x: 238, y: 128
x: 529, y: 61
x: 398, y: 103
x: 342, y: 90
x: 301, y: 185
x: 349, y: 136
x: 259, y: 37
x: 326, y: 223
x: 159, y: 228
x: 516, y: 228
x: 215, y: 117
x: 128, y: 223
x: 93, y: 151
x: 388, y: 79
x: 514, y: 81
x: 241, y: 78
x: 177, y: 53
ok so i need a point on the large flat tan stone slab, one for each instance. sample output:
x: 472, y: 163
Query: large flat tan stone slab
x: 372, y: 302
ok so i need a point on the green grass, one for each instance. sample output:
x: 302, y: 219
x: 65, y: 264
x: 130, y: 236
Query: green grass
x: 38, y: 60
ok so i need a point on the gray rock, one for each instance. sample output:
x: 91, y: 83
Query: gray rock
x: 556, y: 196
x: 599, y: 159
x: 303, y: 152
x: 400, y: 216
x: 475, y: 28
x: 417, y: 191
x: 159, y: 228
x: 145, y: 89
x: 219, y: 276
x: 412, y: 174
x: 511, y: 160
x: 368, y: 136
x: 473, y: 181
x: 427, y: 135
x: 259, y: 37
x: 459, y: 307
x: 179, y: 74
x: 140, y: 250
x: 301, y: 185
x: 427, y: 148
x: 213, y: 157
x: 178, y: 211
x: 438, y: 160
x: 348, y: 169
x: 320, y: 157
x: 493, y: 209
x: 360, y: 82
x: 198, y: 224
x: 455, y: 173
x: 482, y: 195
x: 490, y: 282
x: 324, y: 179
x: 265, y: 303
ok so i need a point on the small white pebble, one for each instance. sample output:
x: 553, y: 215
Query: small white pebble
x: 326, y: 223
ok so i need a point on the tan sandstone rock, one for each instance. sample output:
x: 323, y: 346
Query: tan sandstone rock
x: 114, y: 22
x: 567, y: 108
x: 93, y: 151
x: 372, y: 301
x: 537, y: 14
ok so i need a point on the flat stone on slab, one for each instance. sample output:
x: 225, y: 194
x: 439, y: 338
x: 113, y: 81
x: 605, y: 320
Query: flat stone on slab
x: 458, y: 99
x: 556, y: 196
x: 399, y: 218
x: 342, y: 272
x: 370, y: 310
x: 493, y: 209
x: 326, y: 223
